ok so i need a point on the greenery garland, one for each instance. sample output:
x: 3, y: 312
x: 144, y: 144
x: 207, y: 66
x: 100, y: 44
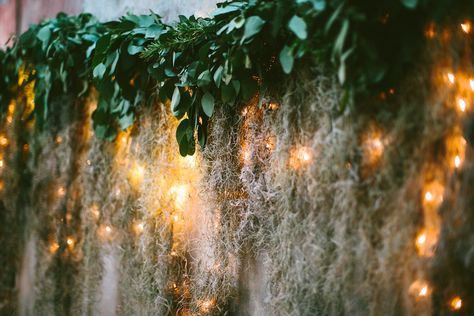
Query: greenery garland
x: 198, y: 63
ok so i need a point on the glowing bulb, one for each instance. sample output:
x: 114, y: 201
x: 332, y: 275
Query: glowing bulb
x: 108, y: 229
x: 53, y: 247
x: 137, y: 173
x: 61, y: 191
x: 471, y: 83
x: 88, y: 162
x: 457, y: 162
x: 451, y: 78
x: 175, y: 218
x: 421, y: 239
x: 70, y: 242
x: 3, y: 140
x: 9, y: 119
x: 466, y: 27
x: 173, y: 253
x: 462, y: 104
x: 245, y: 111
x: 138, y: 227
x: 95, y: 211
x: 180, y: 193
x: 1, y: 163
x: 206, y: 305
x: 300, y: 156
x: 456, y: 303
x: 429, y: 196
x: 189, y: 161
x: 124, y: 139
x: 423, y: 291
x: 59, y: 139
x: 273, y: 106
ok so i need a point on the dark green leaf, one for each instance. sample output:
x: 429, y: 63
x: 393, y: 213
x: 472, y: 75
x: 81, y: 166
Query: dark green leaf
x: 287, y: 59
x: 253, y: 25
x: 207, y: 103
x: 298, y: 26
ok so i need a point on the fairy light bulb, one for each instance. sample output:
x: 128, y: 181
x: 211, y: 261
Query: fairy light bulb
x: 108, y: 229
x: 176, y: 218
x: 95, y: 211
x: 457, y: 161
x: 455, y: 303
x: 138, y: 227
x: 245, y: 111
x: 429, y: 196
x: 451, y: 78
x: 421, y: 239
x: 424, y: 291
x: 3, y: 140
x: 53, y: 247
x: 466, y: 27
x: 137, y: 174
x: 1, y: 163
x: 300, y: 156
x: 462, y: 104
x: 61, y: 191
x: 206, y: 305
x: 70, y: 242
x: 180, y: 194
x: 471, y: 84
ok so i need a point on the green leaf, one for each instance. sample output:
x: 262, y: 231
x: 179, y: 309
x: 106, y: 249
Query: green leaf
x: 175, y: 101
x: 218, y: 76
x: 126, y: 121
x: 44, y: 35
x: 133, y: 49
x: 410, y: 4
x: 99, y: 71
x: 207, y: 103
x: 319, y: 5
x: 228, y: 94
x: 253, y: 25
x: 182, y: 130
x: 298, y: 26
x: 204, y: 79
x: 286, y: 59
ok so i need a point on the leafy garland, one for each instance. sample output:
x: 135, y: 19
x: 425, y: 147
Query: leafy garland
x: 199, y: 63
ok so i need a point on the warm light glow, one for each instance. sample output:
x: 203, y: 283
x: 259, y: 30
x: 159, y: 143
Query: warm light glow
x: 173, y: 253
x: 137, y: 174
x: 456, y: 303
x: 88, y: 162
x: 3, y: 140
x: 423, y: 291
x: 1, y: 163
x: 466, y: 27
x: 138, y: 227
x: 457, y: 161
x: 95, y: 211
x: 59, y: 139
x: 471, y: 83
x: 189, y: 161
x: 419, y: 289
x: 451, y: 78
x: 175, y: 218
x: 246, y: 155
x: 428, y: 196
x: 207, y: 305
x: 273, y: 106
x: 108, y: 229
x: 300, y: 156
x: 373, y: 146
x: 462, y: 104
x: 245, y: 111
x: 53, y: 247
x: 180, y: 194
x: 70, y: 242
x: 421, y: 239
x: 61, y: 191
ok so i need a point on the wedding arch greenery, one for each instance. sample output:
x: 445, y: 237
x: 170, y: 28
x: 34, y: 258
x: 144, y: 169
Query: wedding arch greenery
x: 199, y: 63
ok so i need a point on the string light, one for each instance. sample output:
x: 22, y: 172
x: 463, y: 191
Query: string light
x: 207, y: 305
x: 137, y: 174
x: 59, y: 140
x: 462, y: 104
x: 424, y: 291
x: 421, y: 239
x: 53, y: 247
x: 466, y: 27
x: 88, y: 162
x: 451, y: 78
x: 457, y: 161
x: 300, y: 156
x: 419, y: 289
x: 95, y: 211
x: 245, y: 110
x: 1, y: 163
x: 3, y: 140
x: 176, y: 218
x: 428, y: 196
x: 455, y: 303
x: 138, y: 227
x: 61, y: 191
x: 180, y: 194
x: 70, y: 243
x: 273, y: 106
x: 471, y: 83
